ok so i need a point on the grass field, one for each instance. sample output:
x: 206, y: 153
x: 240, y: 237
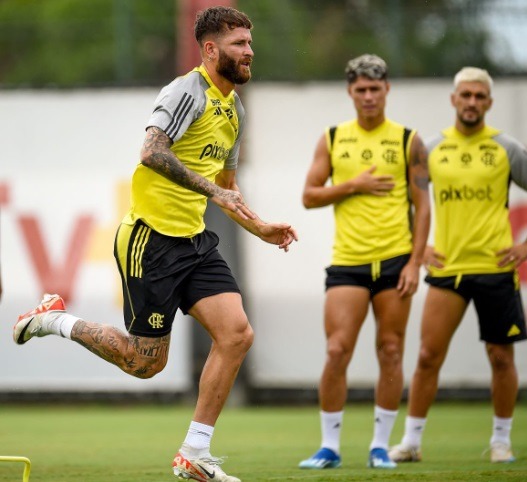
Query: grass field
x: 137, y: 444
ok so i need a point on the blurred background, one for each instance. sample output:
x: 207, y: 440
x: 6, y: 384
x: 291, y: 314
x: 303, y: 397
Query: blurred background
x: 59, y: 43
x: 77, y: 85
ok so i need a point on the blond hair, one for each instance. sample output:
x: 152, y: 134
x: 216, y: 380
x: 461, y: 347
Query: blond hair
x: 473, y: 74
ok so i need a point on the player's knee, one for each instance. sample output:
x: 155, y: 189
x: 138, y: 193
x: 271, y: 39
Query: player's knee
x: 148, y: 368
x: 144, y: 361
x: 337, y: 352
x: 428, y: 360
x: 240, y: 339
x: 247, y: 338
x: 390, y: 351
x: 501, y: 358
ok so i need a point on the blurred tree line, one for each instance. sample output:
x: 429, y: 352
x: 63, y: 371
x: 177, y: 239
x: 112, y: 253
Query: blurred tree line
x: 67, y: 43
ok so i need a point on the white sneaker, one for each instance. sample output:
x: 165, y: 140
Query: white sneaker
x: 33, y: 324
x: 201, y: 469
x: 405, y: 453
x: 501, y: 453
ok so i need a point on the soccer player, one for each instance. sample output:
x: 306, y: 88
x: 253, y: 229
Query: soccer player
x: 166, y: 257
x: 375, y: 166
x: 473, y: 258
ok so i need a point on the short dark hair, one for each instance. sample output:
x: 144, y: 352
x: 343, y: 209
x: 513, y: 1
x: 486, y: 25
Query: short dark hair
x: 367, y: 65
x: 217, y: 20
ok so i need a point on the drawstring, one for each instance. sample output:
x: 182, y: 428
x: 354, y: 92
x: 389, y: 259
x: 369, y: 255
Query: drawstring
x: 516, y: 278
x: 375, y: 270
x: 458, y: 280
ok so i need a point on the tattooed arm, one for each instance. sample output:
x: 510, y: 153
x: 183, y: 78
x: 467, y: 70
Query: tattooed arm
x: 156, y: 155
x: 418, y: 180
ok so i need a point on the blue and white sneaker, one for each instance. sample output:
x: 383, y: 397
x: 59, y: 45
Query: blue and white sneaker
x: 323, y: 459
x: 379, y: 459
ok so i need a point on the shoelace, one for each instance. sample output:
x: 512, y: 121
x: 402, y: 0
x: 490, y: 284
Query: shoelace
x: 214, y: 460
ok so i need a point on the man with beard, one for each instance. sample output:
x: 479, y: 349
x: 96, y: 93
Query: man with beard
x: 473, y: 258
x: 166, y: 257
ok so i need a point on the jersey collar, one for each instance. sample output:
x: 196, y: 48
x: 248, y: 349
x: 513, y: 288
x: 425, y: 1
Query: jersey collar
x: 486, y: 132
x: 217, y: 92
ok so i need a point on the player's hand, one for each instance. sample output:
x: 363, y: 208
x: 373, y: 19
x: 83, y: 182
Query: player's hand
x: 281, y: 234
x: 367, y: 183
x: 515, y: 255
x: 233, y: 201
x: 408, y: 279
x: 432, y: 258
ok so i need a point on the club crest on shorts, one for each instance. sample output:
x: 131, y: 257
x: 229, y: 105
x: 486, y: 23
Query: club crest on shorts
x: 156, y: 320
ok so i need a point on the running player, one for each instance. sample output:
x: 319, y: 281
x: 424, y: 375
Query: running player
x: 166, y: 257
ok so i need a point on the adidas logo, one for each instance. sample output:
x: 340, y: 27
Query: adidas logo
x: 217, y: 111
x: 514, y: 331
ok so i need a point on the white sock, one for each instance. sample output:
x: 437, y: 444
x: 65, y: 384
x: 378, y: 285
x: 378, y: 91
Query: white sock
x: 197, y: 441
x: 382, y: 428
x: 59, y: 323
x: 501, y: 430
x: 413, y: 431
x: 331, y: 424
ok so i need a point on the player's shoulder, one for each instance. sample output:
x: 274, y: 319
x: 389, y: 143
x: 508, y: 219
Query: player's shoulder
x: 446, y: 136
x: 507, y: 141
x: 391, y: 124
x: 348, y: 124
x: 192, y: 83
x: 238, y: 105
x: 185, y: 94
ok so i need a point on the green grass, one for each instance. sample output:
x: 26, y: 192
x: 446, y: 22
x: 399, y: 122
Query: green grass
x: 137, y: 444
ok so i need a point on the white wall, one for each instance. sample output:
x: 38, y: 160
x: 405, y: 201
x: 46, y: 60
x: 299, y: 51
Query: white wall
x: 71, y: 154
x: 66, y: 155
x: 286, y: 291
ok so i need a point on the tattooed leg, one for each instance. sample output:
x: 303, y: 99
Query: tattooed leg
x: 139, y: 356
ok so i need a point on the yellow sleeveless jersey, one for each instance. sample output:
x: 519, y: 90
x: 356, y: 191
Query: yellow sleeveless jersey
x: 205, y: 128
x: 470, y: 177
x: 370, y: 228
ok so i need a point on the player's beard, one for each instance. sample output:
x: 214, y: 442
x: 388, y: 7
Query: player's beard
x: 470, y: 122
x: 228, y: 68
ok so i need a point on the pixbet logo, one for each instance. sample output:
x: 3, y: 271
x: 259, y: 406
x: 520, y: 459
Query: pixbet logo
x: 214, y: 150
x: 465, y: 193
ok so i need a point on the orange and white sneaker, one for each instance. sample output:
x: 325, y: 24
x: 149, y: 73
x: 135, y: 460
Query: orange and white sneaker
x: 34, y: 322
x: 202, y: 469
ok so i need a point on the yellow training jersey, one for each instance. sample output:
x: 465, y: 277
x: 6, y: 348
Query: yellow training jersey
x: 370, y: 228
x: 470, y: 177
x: 205, y: 127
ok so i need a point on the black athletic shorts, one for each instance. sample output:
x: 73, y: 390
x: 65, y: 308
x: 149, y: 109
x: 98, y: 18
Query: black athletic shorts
x: 497, y: 301
x: 163, y: 273
x: 375, y: 277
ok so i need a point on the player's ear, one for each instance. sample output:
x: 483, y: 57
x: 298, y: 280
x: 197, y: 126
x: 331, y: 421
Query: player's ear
x: 209, y: 49
x: 491, y: 100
